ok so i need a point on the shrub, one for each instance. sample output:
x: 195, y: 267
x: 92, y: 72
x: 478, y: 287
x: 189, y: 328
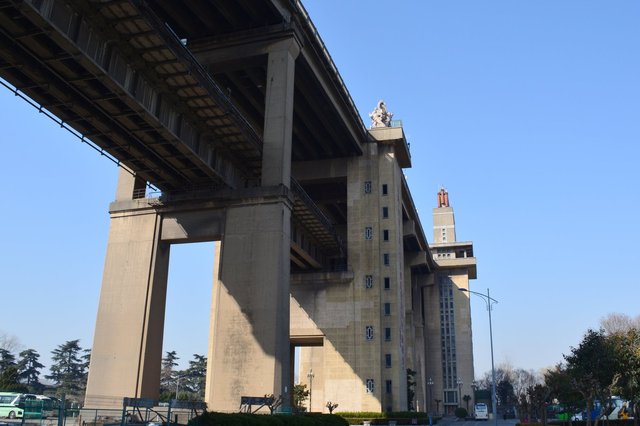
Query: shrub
x: 376, y: 418
x: 461, y: 413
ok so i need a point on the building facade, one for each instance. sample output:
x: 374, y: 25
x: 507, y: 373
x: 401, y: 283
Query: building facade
x: 396, y: 310
x: 451, y: 351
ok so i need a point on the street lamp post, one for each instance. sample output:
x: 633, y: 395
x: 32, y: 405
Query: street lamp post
x: 430, y: 385
x: 459, y: 383
x: 474, y: 387
x: 489, y: 301
x: 310, y: 375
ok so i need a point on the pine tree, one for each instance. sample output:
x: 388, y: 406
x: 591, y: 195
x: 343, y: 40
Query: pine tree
x: 86, y: 360
x: 29, y: 367
x: 68, y: 370
x: 7, y: 359
x: 167, y: 374
x: 197, y: 372
x: 9, y: 380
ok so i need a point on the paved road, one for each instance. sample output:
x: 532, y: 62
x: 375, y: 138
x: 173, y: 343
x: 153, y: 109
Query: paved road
x: 456, y: 422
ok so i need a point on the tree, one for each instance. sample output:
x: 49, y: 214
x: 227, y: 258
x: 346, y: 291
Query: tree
x: 9, y: 380
x: 561, y: 388
x: 538, y: 399
x: 511, y: 385
x: 524, y: 407
x: 466, y: 400
x: 331, y: 406
x: 592, y: 367
x: 504, y: 392
x: 197, y: 373
x: 167, y: 374
x: 86, y: 361
x: 29, y: 368
x: 504, y: 372
x: 411, y: 384
x: 619, y: 323
x: 68, y: 370
x: 300, y: 395
x: 7, y: 359
x: 626, y: 346
x: 521, y: 380
x: 9, y: 342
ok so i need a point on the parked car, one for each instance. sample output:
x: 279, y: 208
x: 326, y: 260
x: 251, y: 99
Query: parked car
x: 509, y: 413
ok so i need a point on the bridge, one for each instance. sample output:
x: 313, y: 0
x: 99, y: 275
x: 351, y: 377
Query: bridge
x: 236, y: 112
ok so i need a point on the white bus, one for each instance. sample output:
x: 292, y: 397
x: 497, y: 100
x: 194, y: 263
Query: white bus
x: 10, y: 405
x: 480, y: 411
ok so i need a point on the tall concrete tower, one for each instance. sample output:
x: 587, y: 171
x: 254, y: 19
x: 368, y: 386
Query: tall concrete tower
x: 444, y: 224
x: 450, y: 348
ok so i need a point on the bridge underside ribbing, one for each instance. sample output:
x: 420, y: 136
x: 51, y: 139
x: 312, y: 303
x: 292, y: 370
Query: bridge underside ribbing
x: 117, y: 74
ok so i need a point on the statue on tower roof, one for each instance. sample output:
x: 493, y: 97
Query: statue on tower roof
x: 380, y: 117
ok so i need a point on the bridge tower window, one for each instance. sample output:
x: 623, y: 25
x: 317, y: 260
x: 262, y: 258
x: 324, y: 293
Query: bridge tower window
x: 368, y: 281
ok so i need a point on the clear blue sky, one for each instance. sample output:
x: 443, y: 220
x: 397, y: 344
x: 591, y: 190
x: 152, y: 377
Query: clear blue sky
x: 526, y: 111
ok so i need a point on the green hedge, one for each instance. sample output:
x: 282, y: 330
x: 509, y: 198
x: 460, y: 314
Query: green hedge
x: 309, y: 419
x: 601, y: 422
x: 243, y: 419
x: 376, y: 415
x: 400, y: 417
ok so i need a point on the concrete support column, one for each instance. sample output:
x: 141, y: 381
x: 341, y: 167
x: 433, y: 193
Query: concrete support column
x: 129, y: 186
x: 250, y: 351
x: 278, y: 115
x: 127, y: 347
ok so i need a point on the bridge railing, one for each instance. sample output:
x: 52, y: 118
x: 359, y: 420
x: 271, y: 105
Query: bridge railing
x: 300, y: 193
x: 330, y: 62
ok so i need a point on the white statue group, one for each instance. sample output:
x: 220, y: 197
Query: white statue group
x: 380, y: 117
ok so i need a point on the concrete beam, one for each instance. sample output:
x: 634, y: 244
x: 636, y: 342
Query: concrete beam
x: 416, y: 259
x: 238, y: 47
x: 467, y: 263
x: 394, y: 136
x: 322, y: 278
x: 192, y: 226
x: 319, y: 170
x: 409, y: 228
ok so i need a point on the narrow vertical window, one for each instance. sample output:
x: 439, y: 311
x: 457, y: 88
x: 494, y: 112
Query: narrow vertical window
x: 387, y: 333
x: 385, y: 212
x: 387, y: 308
x: 387, y: 360
x: 367, y: 187
x: 368, y: 332
x: 385, y: 189
x: 371, y: 385
x: 388, y: 386
x: 387, y: 283
x: 385, y: 259
x: 368, y: 281
x: 385, y: 235
x: 368, y: 233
